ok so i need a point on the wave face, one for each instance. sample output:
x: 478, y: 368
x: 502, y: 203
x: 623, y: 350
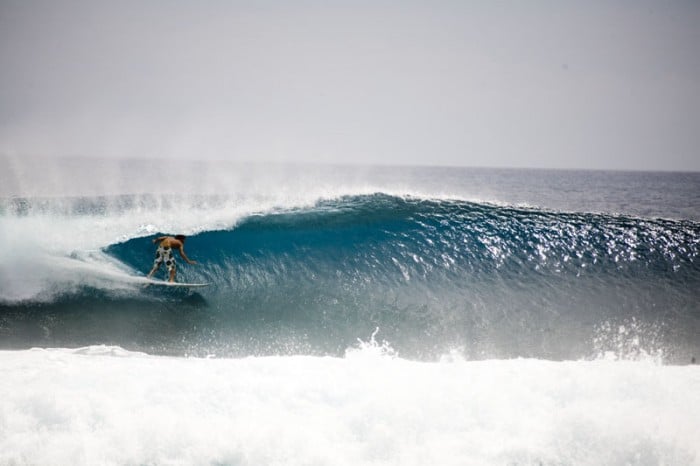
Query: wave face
x: 433, y: 275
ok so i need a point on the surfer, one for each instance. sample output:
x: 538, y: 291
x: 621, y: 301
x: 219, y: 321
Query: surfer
x: 164, y: 253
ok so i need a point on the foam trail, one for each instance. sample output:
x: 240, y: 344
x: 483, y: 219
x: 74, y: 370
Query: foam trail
x: 105, y: 405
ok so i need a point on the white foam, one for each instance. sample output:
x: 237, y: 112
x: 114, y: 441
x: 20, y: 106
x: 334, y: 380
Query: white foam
x: 43, y: 258
x: 104, y: 405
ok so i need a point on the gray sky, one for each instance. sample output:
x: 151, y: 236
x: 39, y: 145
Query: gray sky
x: 559, y: 84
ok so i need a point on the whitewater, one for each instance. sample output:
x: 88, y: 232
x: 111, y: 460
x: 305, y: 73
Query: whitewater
x: 357, y: 315
x: 105, y: 405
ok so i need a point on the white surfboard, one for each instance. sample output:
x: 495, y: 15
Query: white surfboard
x: 177, y: 284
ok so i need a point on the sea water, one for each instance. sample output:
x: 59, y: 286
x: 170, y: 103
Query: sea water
x: 356, y: 315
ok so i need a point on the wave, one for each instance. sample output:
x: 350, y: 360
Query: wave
x: 434, y: 274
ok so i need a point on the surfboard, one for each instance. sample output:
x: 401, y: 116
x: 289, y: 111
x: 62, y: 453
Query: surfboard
x: 177, y: 284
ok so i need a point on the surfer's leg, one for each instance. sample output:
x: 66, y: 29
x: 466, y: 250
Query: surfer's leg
x: 156, y: 266
x: 153, y: 270
x: 170, y: 264
x: 156, y: 263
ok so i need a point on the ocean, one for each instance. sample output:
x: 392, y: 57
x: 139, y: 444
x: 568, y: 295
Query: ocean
x: 356, y: 315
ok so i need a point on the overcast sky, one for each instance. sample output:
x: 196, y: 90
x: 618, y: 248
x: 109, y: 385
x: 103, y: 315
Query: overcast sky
x: 557, y: 84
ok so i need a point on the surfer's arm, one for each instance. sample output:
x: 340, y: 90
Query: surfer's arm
x: 184, y: 256
x: 160, y: 238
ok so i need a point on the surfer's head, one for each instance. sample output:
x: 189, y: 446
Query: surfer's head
x: 180, y: 237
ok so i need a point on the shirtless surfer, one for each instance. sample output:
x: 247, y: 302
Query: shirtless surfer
x: 164, y: 253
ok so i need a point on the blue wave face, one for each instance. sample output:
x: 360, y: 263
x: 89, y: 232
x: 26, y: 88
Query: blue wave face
x: 410, y: 239
x: 432, y: 275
